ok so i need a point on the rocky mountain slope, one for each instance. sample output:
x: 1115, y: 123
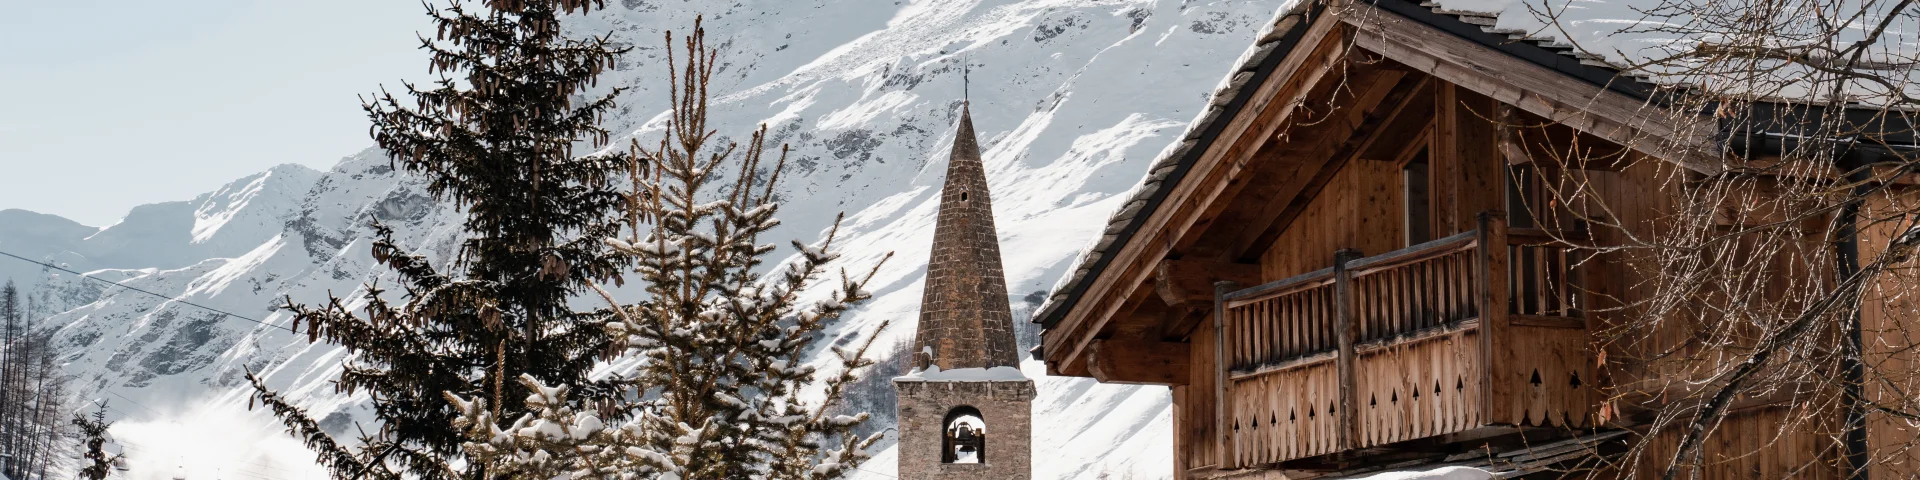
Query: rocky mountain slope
x: 1072, y: 99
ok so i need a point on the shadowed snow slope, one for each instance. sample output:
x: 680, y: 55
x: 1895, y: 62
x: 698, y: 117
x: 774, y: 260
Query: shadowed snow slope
x: 1071, y: 99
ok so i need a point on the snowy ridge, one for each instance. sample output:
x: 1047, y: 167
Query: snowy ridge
x: 1072, y: 100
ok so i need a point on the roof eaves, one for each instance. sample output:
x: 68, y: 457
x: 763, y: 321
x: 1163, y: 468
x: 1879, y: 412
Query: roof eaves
x: 1289, y: 25
x: 1257, y: 65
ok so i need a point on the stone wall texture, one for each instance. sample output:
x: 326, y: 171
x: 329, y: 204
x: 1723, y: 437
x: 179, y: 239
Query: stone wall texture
x: 965, y: 323
x: 1008, y: 413
x: 964, y: 317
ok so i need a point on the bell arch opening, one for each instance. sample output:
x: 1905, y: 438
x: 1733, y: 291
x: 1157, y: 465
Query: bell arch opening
x: 964, y: 436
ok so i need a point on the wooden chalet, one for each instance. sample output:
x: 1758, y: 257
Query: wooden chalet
x: 1328, y: 294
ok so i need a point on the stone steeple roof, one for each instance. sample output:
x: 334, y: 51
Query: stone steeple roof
x: 964, y: 318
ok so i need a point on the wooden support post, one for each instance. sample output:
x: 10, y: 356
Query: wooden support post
x: 1223, y: 431
x: 1482, y: 172
x: 1444, y: 162
x: 1139, y: 362
x: 1348, y: 436
x: 1181, y: 438
x: 1497, y: 390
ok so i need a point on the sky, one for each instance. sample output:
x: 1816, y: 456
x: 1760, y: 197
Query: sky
x: 110, y: 104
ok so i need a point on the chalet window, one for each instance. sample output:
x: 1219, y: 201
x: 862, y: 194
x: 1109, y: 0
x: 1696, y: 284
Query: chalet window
x: 1522, y: 196
x: 1418, y: 206
x: 1532, y: 201
x: 965, y: 437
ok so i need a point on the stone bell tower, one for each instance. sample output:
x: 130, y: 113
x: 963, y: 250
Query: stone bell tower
x: 965, y: 409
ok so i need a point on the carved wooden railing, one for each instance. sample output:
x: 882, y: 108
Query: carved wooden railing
x: 1282, y: 339
x: 1403, y: 346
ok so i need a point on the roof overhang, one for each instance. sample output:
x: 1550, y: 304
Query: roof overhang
x: 1535, y: 77
x: 1292, y: 27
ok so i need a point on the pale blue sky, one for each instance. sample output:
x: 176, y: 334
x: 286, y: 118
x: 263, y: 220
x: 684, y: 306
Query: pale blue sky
x: 108, y: 104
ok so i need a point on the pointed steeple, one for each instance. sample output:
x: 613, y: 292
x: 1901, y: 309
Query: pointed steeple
x: 965, y: 321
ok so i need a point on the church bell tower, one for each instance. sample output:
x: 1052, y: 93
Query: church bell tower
x: 965, y: 409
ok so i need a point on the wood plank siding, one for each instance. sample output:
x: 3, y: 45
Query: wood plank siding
x: 1369, y: 265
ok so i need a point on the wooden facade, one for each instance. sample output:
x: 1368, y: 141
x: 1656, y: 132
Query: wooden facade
x: 1360, y: 268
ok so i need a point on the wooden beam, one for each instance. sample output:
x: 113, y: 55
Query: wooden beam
x: 1402, y: 135
x: 1481, y: 185
x: 1199, y: 192
x: 1180, y: 321
x: 1139, y: 362
x: 1495, y: 390
x: 1510, y: 147
x: 1190, y: 282
x: 1529, y: 139
x: 1346, y: 333
x: 1222, y: 433
x: 1444, y: 162
x: 1070, y: 367
x: 1536, y: 89
x: 1182, y: 441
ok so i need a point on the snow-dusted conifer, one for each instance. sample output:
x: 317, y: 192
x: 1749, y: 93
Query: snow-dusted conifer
x: 722, y: 391
x: 96, y: 463
x: 498, y: 141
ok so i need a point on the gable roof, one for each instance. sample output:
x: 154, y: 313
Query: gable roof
x: 1270, y: 46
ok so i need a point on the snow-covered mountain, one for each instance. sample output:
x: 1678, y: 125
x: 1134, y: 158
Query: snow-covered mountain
x: 1071, y: 98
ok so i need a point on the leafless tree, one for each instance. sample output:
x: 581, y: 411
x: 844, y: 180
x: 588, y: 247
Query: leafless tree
x: 1766, y: 316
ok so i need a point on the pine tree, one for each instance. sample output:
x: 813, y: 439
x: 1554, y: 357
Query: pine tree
x: 93, y: 436
x: 722, y: 386
x: 498, y: 141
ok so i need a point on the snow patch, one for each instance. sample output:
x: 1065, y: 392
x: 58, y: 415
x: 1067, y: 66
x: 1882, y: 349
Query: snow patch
x: 935, y: 374
x: 210, y: 439
x: 1443, y: 473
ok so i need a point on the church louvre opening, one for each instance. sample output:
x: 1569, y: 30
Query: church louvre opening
x: 965, y: 437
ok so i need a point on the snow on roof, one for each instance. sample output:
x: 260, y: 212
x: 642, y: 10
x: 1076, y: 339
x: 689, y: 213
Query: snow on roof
x: 1442, y: 473
x: 1619, y: 34
x: 935, y: 374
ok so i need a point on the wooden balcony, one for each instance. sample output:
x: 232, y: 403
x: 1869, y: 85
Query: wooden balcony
x: 1480, y: 329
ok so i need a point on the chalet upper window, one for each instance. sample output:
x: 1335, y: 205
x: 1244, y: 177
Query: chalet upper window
x: 1415, y: 188
x: 965, y: 437
x: 1522, y: 194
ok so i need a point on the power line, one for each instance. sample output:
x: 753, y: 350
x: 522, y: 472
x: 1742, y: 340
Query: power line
x: 135, y: 403
x: 118, y: 284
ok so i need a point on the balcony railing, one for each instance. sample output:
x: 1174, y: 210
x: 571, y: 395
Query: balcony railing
x: 1401, y: 346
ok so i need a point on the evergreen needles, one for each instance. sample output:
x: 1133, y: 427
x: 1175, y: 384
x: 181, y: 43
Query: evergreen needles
x: 722, y: 388
x: 498, y: 142
x: 93, y: 435
x: 483, y: 371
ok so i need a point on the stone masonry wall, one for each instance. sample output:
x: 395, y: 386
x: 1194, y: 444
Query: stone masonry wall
x: 1008, y: 413
x: 964, y: 317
